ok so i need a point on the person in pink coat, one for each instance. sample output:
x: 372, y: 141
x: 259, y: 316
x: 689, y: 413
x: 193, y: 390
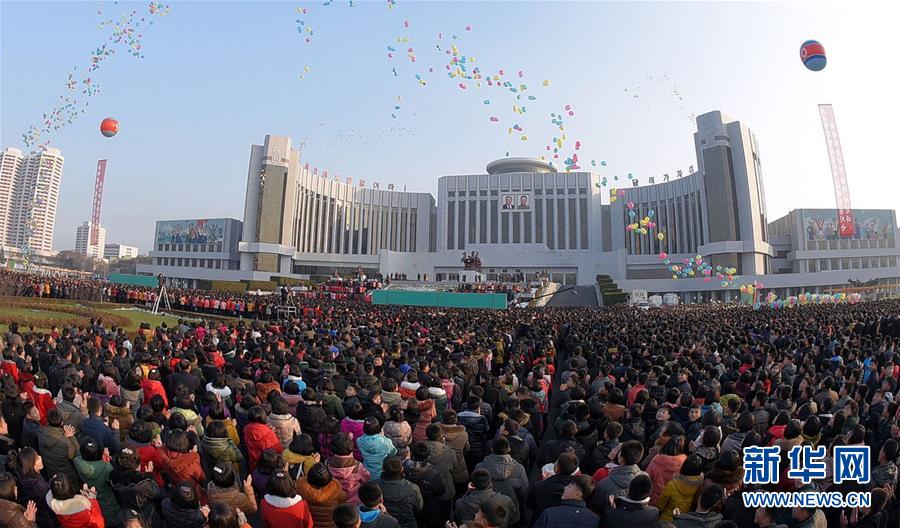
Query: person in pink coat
x: 345, y: 468
x: 665, y: 465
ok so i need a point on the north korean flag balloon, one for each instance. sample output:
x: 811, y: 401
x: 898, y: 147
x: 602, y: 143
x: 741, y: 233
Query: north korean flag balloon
x: 109, y: 127
x: 812, y: 53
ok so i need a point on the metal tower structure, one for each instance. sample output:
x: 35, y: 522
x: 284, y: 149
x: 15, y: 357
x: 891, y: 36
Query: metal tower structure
x: 98, y: 200
x: 838, y: 174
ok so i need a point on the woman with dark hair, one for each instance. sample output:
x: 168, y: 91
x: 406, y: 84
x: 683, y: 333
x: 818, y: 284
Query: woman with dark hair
x: 216, y: 446
x: 182, y: 508
x: 352, y: 424
x: 131, y: 389
x: 218, y: 412
x: 135, y: 488
x: 282, y: 506
x: 258, y: 436
x: 345, y: 468
x: 330, y: 427
x: 666, y: 465
x: 180, y: 463
x: 300, y: 455
x: 94, y: 471
x: 281, y: 420
x: 117, y: 409
x: 74, y: 509
x: 142, y: 440
x: 375, y: 447
x: 12, y: 514
x: 224, y: 487
x: 269, y: 463
x: 322, y: 493
x: 26, y: 466
x: 184, y: 406
x: 398, y: 430
x: 224, y: 515
x: 427, y: 414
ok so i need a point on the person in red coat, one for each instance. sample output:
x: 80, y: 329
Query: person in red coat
x: 141, y: 439
x: 258, y: 436
x: 153, y: 386
x: 74, y: 510
x: 281, y: 506
x: 179, y: 462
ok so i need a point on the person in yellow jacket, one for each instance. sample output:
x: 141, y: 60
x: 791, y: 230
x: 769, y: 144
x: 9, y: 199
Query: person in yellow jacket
x: 679, y: 492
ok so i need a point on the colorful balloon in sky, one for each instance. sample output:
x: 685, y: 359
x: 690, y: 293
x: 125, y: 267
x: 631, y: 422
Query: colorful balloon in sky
x: 812, y: 53
x: 109, y: 127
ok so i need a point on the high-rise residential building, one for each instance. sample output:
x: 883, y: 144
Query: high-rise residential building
x: 119, y: 251
x: 29, y: 195
x: 83, y: 241
x: 10, y: 165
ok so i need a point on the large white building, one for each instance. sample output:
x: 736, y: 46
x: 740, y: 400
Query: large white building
x: 29, y: 195
x: 83, y: 240
x: 524, y: 219
x: 119, y: 251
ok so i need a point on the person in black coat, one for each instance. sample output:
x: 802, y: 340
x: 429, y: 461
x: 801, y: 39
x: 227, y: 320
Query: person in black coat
x: 135, y: 488
x: 572, y: 511
x: 633, y: 509
x: 478, y: 429
x: 311, y: 415
x: 548, y: 492
x: 420, y: 472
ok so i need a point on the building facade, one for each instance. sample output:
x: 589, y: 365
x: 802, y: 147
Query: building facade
x: 29, y: 195
x: 119, y: 251
x: 83, y: 240
x: 195, y: 249
x: 525, y: 219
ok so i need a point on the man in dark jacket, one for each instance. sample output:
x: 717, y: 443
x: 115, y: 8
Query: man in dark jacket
x: 371, y: 511
x: 402, y: 498
x: 572, y: 511
x: 619, y: 478
x: 477, y: 427
x: 633, y: 509
x: 507, y: 475
x: 548, y: 492
x: 311, y: 415
x: 704, y: 516
x: 480, y: 491
x: 58, y: 446
x: 421, y: 473
x: 95, y: 427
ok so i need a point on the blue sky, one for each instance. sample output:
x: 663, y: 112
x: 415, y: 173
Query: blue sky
x: 219, y: 76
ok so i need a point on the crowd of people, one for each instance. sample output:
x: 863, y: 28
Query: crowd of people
x: 350, y: 414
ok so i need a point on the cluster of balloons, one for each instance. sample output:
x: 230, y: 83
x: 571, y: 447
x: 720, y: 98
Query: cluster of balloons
x: 696, y: 267
x: 772, y: 300
x: 644, y: 224
x: 125, y: 33
x: 749, y: 291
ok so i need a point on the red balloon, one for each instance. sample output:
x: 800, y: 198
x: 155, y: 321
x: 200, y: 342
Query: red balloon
x: 109, y: 127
